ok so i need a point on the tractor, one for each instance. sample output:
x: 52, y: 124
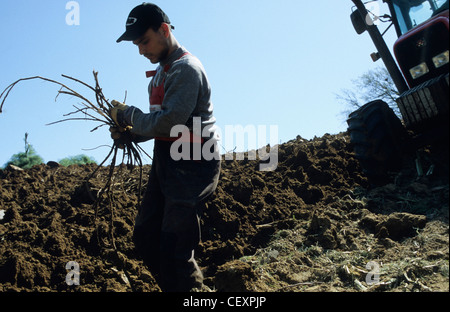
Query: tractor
x: 419, y: 68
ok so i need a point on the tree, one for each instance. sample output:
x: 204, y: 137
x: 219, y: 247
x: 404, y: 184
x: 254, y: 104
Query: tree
x: 375, y: 84
x: 27, y: 159
x: 77, y: 160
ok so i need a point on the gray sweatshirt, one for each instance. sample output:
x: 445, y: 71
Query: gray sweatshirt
x: 187, y: 95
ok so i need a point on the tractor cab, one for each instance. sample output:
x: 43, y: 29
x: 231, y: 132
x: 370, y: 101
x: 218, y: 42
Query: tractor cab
x: 411, y: 13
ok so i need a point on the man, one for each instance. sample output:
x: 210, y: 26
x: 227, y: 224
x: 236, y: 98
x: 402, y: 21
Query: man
x: 167, y: 228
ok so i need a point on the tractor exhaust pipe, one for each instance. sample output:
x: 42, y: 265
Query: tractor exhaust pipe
x: 382, y: 48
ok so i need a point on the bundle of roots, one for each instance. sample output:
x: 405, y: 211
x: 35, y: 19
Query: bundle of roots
x: 97, y: 111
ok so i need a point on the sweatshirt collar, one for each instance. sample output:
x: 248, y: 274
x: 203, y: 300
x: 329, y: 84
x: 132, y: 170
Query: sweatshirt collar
x: 173, y: 57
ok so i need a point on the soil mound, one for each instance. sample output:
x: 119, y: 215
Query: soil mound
x: 313, y: 224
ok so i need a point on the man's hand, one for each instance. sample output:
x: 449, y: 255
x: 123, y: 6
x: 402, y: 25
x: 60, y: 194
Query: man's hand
x: 116, y: 114
x: 116, y: 135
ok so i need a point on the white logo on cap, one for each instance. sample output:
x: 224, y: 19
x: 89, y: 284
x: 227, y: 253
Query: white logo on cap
x: 131, y: 21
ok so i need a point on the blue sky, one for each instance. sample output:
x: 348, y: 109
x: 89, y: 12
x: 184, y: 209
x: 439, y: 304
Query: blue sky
x: 269, y: 63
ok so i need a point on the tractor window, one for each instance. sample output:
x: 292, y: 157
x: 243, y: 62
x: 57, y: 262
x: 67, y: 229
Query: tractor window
x: 411, y: 13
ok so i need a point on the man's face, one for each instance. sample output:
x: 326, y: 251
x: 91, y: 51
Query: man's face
x: 153, y: 45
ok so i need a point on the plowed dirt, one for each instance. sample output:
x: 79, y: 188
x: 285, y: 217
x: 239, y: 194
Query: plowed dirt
x: 313, y: 224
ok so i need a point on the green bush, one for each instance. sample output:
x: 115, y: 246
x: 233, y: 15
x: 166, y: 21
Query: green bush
x: 77, y: 160
x: 27, y: 159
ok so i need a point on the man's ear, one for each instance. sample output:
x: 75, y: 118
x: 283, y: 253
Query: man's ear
x: 165, y: 30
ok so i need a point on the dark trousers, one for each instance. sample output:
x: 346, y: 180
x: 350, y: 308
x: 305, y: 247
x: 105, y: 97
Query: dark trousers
x: 167, y: 228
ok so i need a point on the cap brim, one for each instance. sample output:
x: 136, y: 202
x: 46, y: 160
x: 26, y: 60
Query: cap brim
x: 121, y: 38
x: 129, y: 36
x: 124, y: 37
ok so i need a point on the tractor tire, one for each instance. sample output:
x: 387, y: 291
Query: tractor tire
x: 378, y: 137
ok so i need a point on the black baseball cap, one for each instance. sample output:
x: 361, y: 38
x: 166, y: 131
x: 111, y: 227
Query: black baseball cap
x: 141, y: 18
